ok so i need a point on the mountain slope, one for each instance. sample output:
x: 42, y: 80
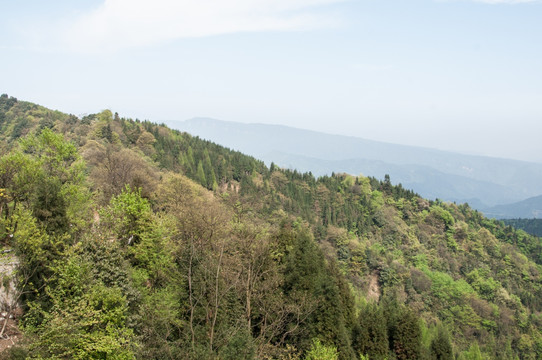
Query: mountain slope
x: 528, y: 209
x: 530, y: 226
x: 483, y: 180
x: 428, y: 182
x: 137, y: 241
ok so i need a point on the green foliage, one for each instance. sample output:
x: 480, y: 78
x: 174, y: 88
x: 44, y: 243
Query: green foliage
x: 443, y: 215
x: 86, y: 319
x: 405, y: 335
x: 240, y: 346
x: 201, y: 175
x: 305, y: 272
x: 161, y: 324
x: 371, y: 334
x: 128, y: 215
x: 319, y: 351
x: 37, y: 252
x: 473, y: 353
x: 484, y: 284
x: 441, y: 347
x: 531, y: 226
x: 445, y: 288
x: 50, y: 176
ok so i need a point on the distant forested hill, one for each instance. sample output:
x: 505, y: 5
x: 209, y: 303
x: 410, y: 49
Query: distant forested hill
x: 137, y: 241
x: 531, y: 226
x: 527, y: 209
x: 480, y: 181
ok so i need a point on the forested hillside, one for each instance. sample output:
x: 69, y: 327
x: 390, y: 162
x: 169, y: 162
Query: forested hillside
x: 481, y: 181
x: 137, y: 241
x: 531, y: 226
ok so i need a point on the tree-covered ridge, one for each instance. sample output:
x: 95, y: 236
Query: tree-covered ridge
x: 136, y: 240
x: 530, y: 226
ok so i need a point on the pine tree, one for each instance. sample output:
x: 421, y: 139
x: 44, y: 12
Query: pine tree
x: 371, y: 334
x: 201, y: 175
x: 406, y: 336
x: 441, y: 348
x: 473, y: 353
x: 306, y: 272
x: 209, y: 172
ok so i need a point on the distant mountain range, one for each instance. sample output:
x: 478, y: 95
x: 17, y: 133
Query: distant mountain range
x: 526, y: 209
x: 483, y: 182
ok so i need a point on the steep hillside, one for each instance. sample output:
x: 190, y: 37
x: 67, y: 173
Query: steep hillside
x: 138, y: 241
x: 483, y: 181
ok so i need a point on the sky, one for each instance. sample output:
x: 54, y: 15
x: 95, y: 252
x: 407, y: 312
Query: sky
x: 459, y: 75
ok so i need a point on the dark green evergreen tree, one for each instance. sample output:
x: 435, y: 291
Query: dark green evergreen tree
x: 201, y: 175
x: 306, y: 272
x: 406, y: 336
x: 371, y: 332
x: 441, y: 348
x: 50, y: 206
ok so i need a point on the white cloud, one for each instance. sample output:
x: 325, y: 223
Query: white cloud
x: 131, y: 23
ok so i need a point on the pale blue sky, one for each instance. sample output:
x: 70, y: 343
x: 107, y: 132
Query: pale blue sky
x: 458, y: 75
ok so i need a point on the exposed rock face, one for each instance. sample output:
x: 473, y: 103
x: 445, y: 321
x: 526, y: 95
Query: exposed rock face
x: 8, y: 293
x: 9, y: 300
x: 373, y: 292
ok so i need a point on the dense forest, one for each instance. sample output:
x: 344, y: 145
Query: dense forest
x: 135, y: 241
x: 531, y: 226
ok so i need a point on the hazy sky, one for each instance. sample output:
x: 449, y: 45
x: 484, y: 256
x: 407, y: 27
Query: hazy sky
x: 459, y: 75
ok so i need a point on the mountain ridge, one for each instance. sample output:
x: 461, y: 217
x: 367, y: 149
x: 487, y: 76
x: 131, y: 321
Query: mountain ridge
x: 515, y: 180
x: 197, y: 120
x: 527, y: 209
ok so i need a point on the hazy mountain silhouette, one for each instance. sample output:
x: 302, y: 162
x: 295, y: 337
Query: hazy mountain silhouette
x: 528, y: 209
